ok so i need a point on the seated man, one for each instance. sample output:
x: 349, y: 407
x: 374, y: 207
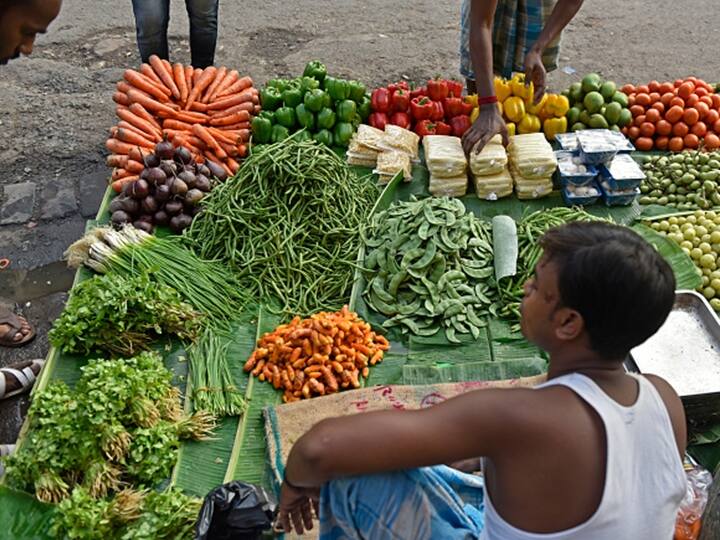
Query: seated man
x: 594, y: 453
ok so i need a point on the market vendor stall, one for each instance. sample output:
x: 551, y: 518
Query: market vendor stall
x: 247, y: 307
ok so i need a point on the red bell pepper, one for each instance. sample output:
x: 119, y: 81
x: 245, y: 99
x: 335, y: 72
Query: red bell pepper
x: 401, y: 119
x: 467, y: 106
x: 378, y: 120
x: 400, y: 100
x: 380, y: 100
x: 421, y: 108
x: 438, y: 112
x: 455, y: 88
x: 418, y: 92
x: 401, y: 85
x: 437, y: 89
x: 453, y: 107
x: 460, y: 124
x: 425, y: 127
x: 443, y: 129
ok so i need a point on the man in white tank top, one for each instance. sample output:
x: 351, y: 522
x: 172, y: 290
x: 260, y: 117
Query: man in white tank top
x: 593, y: 454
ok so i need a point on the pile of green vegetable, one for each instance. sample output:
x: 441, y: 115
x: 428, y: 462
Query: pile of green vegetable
x: 687, y: 181
x: 529, y: 231
x: 119, y: 427
x: 288, y: 224
x: 208, y: 286
x: 429, y: 266
x: 327, y: 109
x: 122, y: 316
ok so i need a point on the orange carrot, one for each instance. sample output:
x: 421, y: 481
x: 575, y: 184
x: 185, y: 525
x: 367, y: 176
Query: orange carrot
x: 140, y: 111
x: 116, y: 160
x: 240, y: 116
x: 257, y: 109
x: 219, y: 77
x: 164, y: 74
x: 141, y: 82
x: 149, y: 136
x: 117, y: 174
x: 122, y: 86
x: 197, y: 73
x: 230, y: 149
x: 233, y: 165
x: 235, y: 127
x: 191, y: 117
x: 231, y: 101
x: 203, y: 134
x: 149, y: 72
x: 242, y: 150
x: 193, y: 140
x: 179, y: 76
x: 121, y: 98
x: 177, y: 124
x: 150, y: 104
x: 231, y: 77
x: 205, y: 79
x: 139, y: 154
x: 129, y: 136
x: 221, y: 136
x: 119, y: 184
x: 238, y: 86
x: 199, y: 107
x: 247, y: 106
x: 134, y: 167
x: 143, y: 125
x: 189, y: 77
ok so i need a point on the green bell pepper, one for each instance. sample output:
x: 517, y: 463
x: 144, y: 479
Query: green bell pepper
x: 292, y: 96
x: 357, y: 91
x: 346, y: 110
x: 270, y: 98
x: 326, y: 119
x: 270, y: 115
x: 304, y: 117
x: 302, y: 135
x: 339, y: 89
x: 328, y: 82
x: 364, y: 108
x: 261, y: 130
x: 315, y: 69
x: 328, y: 102
x: 356, y: 121
x: 308, y: 83
x: 279, y: 84
x: 279, y: 133
x: 314, y: 100
x: 324, y: 136
x: 285, y: 116
x: 343, y: 133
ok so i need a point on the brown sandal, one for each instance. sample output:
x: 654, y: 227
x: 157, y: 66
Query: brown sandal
x: 15, y: 323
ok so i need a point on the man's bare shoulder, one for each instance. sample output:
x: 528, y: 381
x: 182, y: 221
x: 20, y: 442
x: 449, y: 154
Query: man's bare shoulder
x: 674, y: 407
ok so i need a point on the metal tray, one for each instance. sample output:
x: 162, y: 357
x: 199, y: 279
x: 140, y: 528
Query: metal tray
x: 686, y: 353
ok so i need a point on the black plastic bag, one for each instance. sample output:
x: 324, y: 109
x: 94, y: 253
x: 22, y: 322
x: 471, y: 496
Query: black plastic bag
x: 236, y: 511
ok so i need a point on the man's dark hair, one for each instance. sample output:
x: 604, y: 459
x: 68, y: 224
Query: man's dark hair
x: 619, y: 283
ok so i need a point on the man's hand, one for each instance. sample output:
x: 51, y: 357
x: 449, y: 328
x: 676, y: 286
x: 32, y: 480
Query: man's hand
x: 535, y: 73
x: 487, y: 125
x: 296, y: 505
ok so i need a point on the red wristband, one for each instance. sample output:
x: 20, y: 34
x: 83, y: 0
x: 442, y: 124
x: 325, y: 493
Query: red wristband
x: 487, y: 100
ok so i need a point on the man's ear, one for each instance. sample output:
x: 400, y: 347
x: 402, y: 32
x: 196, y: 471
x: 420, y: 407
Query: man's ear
x: 570, y: 324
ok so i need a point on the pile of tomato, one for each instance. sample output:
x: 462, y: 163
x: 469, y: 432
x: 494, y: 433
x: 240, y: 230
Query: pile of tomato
x: 675, y: 116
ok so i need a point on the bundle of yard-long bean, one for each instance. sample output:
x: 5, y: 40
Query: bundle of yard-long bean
x: 529, y: 231
x: 211, y: 382
x: 208, y: 286
x: 289, y: 225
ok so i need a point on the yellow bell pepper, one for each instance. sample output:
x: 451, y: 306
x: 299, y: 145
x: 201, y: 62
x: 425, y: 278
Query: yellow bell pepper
x: 511, y: 128
x: 556, y: 105
x: 502, y: 89
x: 514, y: 108
x: 520, y: 89
x: 553, y: 126
x: 474, y: 114
x: 529, y: 124
x: 472, y: 99
x: 536, y: 109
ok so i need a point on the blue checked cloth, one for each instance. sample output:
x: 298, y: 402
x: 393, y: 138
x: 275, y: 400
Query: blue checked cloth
x: 517, y: 26
x: 418, y: 504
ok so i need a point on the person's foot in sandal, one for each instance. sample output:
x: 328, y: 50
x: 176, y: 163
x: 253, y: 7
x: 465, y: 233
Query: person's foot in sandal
x: 18, y: 378
x: 15, y: 331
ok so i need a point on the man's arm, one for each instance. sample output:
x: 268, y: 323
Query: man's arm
x: 561, y: 15
x: 478, y: 423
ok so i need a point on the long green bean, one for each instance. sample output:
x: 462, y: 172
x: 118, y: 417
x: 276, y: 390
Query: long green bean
x: 288, y: 224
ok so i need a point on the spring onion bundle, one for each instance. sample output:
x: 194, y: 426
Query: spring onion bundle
x: 289, y: 225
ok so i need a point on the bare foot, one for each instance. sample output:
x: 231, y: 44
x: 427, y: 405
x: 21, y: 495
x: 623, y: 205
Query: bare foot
x: 8, y: 332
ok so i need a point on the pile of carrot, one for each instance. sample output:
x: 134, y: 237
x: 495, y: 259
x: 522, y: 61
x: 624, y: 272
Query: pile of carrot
x: 208, y: 111
x: 323, y: 354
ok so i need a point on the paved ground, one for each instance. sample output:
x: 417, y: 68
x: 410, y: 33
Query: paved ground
x: 56, y: 108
